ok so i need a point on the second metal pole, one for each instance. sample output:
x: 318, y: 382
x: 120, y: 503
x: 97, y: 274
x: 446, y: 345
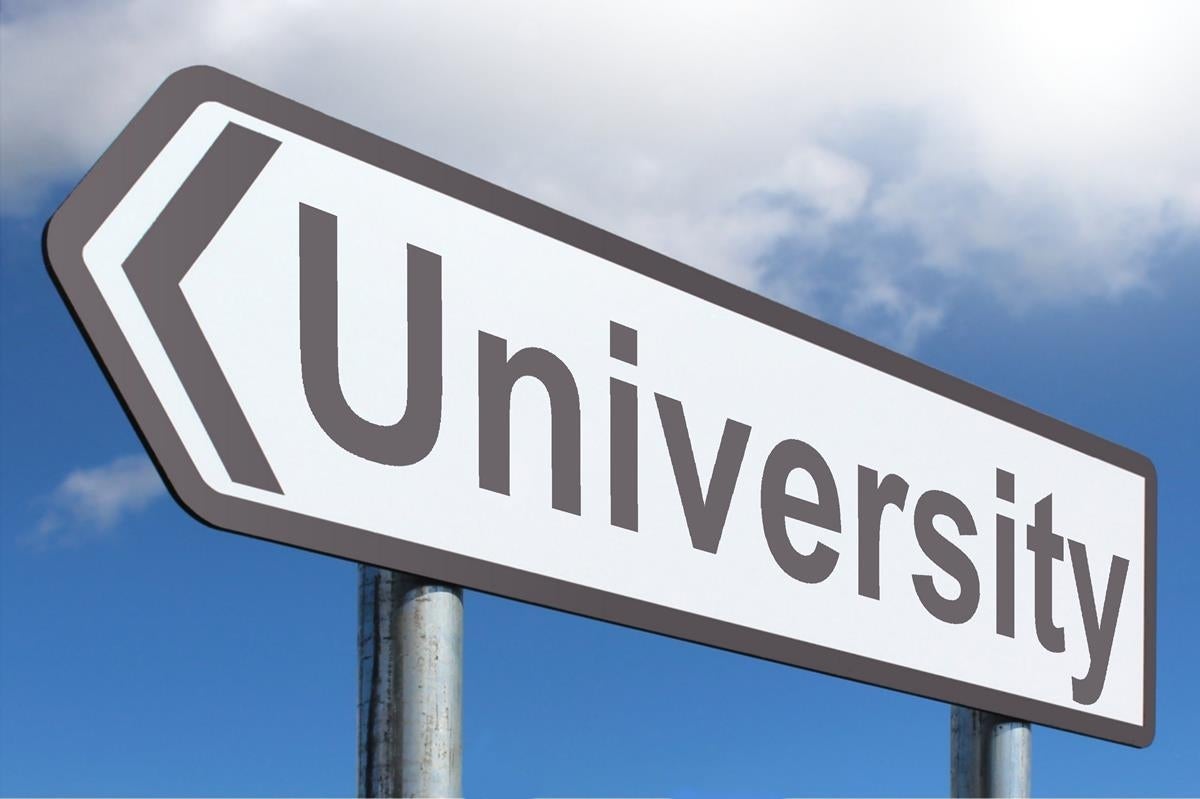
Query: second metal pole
x: 410, y: 686
x: 990, y: 755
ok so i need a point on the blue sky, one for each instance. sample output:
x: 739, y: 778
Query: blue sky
x: 1053, y: 259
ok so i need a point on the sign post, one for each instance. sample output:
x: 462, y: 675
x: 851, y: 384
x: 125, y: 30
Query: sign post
x: 410, y: 686
x: 990, y: 755
x: 331, y: 341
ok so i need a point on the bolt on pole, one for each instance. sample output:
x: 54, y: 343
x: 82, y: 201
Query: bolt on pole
x: 409, y: 686
x: 990, y: 755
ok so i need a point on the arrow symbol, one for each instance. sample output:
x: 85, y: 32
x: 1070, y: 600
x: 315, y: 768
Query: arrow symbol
x: 159, y: 263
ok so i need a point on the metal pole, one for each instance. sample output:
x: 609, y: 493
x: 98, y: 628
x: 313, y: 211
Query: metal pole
x: 990, y: 755
x: 409, y: 686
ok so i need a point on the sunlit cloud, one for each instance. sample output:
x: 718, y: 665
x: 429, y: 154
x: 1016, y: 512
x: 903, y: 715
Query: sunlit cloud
x: 1042, y: 153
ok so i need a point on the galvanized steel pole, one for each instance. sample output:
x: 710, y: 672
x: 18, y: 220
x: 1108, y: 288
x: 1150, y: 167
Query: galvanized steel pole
x: 990, y: 755
x: 410, y: 686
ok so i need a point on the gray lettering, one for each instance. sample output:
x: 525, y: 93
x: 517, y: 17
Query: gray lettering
x: 412, y: 437
x: 1099, y: 631
x: 1046, y: 548
x: 705, y: 512
x: 778, y: 506
x: 948, y: 557
x: 873, y: 496
x: 1005, y: 557
x: 623, y: 433
x: 497, y: 375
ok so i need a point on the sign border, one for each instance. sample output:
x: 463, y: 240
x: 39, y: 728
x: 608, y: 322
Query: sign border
x: 91, y: 202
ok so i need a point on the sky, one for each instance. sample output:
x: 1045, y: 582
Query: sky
x: 1008, y: 193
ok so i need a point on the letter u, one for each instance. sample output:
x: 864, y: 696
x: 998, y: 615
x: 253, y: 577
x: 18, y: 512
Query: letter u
x: 412, y: 437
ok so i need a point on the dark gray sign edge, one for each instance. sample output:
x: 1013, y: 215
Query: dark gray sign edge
x: 90, y: 203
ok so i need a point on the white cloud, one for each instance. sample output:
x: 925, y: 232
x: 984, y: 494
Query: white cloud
x: 1040, y: 151
x: 89, y: 503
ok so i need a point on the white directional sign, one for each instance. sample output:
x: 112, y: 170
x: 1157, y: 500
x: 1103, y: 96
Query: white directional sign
x: 331, y: 341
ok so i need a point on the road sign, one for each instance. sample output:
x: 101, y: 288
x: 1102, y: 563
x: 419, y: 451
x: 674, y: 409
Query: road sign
x: 331, y: 341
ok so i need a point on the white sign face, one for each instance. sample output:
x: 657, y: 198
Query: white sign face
x: 333, y: 342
